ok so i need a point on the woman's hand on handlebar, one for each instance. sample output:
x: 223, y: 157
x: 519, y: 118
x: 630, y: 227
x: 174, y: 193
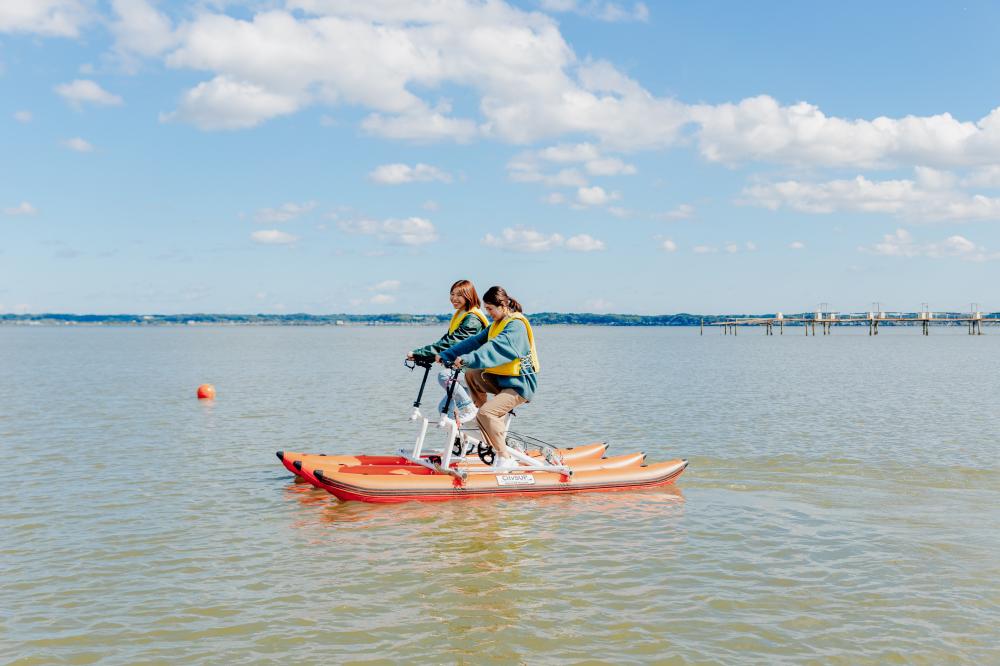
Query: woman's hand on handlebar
x: 457, y: 363
x: 409, y: 356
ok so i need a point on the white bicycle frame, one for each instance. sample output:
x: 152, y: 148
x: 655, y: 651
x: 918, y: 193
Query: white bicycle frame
x: 447, y: 456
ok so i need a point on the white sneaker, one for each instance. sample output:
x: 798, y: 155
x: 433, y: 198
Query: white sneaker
x: 467, y: 414
x: 506, y: 463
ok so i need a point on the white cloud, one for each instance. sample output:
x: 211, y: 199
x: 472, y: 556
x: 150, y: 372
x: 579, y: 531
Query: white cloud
x: 731, y: 248
x: 668, y: 245
x: 23, y: 116
x: 750, y: 246
x: 283, y: 213
x: 797, y: 245
x: 704, y: 249
x: 85, y: 91
x: 554, y: 198
x: 431, y: 205
x: 988, y: 176
x: 411, y: 231
x: 386, y: 285
x: 225, y: 104
x: 397, y: 174
x: 273, y: 237
x: 609, y: 166
x: 140, y: 29
x: 908, y: 199
x: 79, y: 145
x: 24, y: 208
x: 56, y: 18
x: 902, y: 244
x: 521, y: 239
x: 382, y: 299
x: 595, y: 196
x: 760, y: 129
x: 420, y: 125
x: 613, y: 12
x: 682, y: 212
x: 393, y: 60
x: 584, y: 243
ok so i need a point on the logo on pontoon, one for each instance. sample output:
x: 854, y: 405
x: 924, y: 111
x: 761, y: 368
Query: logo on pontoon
x: 515, y: 480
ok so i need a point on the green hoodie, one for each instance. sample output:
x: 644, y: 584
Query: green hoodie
x: 469, y: 327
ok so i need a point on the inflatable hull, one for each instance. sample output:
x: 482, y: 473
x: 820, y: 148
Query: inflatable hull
x: 349, y: 483
x: 296, y: 462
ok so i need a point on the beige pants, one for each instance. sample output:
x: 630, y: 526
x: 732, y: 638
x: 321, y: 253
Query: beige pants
x: 492, y: 412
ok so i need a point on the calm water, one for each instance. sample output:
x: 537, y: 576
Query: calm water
x: 842, y: 503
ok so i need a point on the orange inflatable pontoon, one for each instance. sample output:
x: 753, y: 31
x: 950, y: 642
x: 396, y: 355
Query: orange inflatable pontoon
x: 454, y: 473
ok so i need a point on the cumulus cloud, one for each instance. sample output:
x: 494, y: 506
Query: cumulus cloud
x: 682, y: 212
x: 24, y: 208
x: 79, y: 145
x: 902, y: 244
x: 283, y: 213
x: 23, y: 116
x: 55, y: 18
x: 595, y: 196
x: 522, y: 239
x: 704, y: 249
x: 382, y: 299
x: 584, y: 243
x: 397, y: 174
x: 84, y: 91
x: 227, y: 104
x: 140, y: 29
x: 797, y: 245
x: 392, y: 60
x: 927, y: 199
x: 613, y: 12
x: 412, y: 231
x: 386, y: 285
x: 668, y: 245
x: 273, y: 237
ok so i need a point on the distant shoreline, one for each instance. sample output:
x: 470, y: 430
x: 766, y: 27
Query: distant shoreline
x: 301, y: 319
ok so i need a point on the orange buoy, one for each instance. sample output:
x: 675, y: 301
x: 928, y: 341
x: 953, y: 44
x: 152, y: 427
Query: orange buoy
x: 206, y: 392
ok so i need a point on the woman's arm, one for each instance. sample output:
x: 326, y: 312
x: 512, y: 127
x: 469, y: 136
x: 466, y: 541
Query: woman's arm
x: 464, y: 347
x: 469, y: 327
x: 510, y: 344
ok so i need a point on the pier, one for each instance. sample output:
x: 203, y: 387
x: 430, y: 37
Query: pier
x: 826, y: 320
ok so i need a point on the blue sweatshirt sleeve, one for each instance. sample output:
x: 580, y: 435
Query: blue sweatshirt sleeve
x: 464, y: 347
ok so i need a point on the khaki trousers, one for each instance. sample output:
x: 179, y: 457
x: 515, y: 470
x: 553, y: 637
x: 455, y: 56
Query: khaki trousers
x: 492, y: 412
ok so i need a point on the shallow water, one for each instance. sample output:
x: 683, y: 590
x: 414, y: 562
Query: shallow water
x: 842, y: 503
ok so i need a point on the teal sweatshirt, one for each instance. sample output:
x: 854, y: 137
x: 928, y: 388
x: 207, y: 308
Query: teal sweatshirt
x: 469, y: 327
x: 479, y: 352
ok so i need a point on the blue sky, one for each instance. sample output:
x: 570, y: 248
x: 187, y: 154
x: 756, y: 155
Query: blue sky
x: 332, y: 156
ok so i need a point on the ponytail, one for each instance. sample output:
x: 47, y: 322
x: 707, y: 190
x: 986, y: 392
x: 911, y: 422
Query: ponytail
x: 498, y: 297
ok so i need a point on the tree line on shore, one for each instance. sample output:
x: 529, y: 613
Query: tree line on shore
x: 303, y: 319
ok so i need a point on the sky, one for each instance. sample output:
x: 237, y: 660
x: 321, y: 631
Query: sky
x: 329, y: 156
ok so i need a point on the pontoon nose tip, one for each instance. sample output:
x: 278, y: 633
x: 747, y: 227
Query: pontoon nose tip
x: 281, y: 455
x: 297, y: 465
x: 319, y: 474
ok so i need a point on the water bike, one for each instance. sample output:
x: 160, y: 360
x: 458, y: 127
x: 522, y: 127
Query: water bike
x: 464, y: 466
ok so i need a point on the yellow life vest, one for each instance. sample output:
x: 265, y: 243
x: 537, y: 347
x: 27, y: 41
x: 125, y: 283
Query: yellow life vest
x: 513, y: 368
x: 459, y: 317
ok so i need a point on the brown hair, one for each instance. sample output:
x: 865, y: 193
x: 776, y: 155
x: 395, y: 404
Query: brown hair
x: 466, y: 290
x: 497, y: 296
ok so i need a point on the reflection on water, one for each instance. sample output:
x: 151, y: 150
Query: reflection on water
x: 850, y: 521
